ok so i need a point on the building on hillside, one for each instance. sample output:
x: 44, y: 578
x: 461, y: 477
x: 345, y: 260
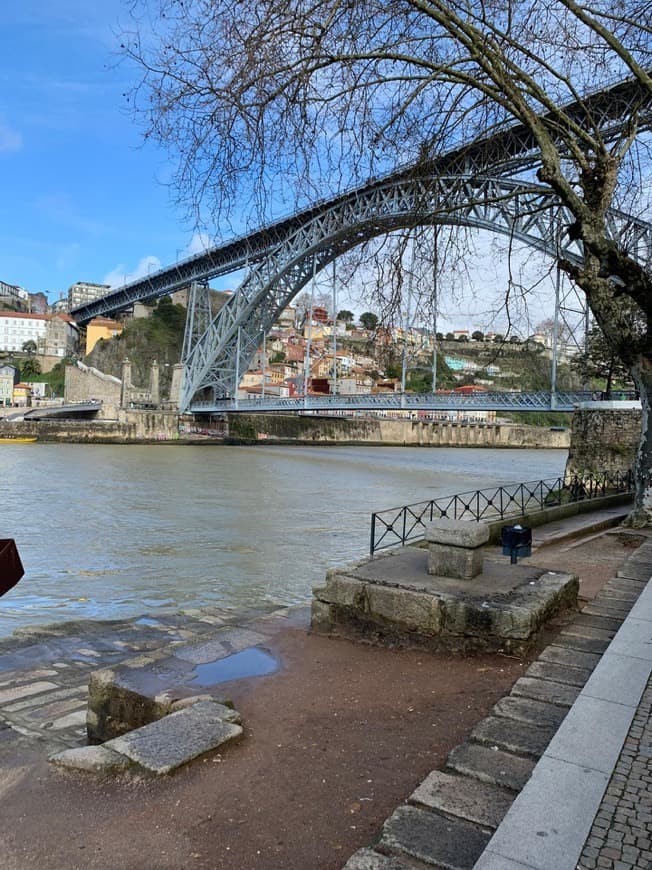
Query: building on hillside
x: 286, y: 319
x: 14, y: 296
x: 61, y: 336
x: 22, y: 397
x: 7, y: 379
x: 101, y: 328
x: 17, y: 328
x: 52, y: 334
x: 83, y: 292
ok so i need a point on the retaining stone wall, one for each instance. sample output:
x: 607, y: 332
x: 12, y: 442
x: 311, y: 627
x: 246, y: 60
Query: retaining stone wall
x: 603, y: 440
x: 253, y: 427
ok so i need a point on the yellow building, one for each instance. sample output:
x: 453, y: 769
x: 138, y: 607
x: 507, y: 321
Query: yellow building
x: 101, y: 327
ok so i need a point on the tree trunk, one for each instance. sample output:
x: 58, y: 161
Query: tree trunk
x: 642, y: 513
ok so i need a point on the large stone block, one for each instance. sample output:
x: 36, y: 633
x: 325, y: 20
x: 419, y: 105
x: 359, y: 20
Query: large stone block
x: 414, y: 610
x: 457, y: 533
x: 447, y: 561
x: 340, y: 589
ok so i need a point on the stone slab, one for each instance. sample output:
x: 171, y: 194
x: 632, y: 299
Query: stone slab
x: 548, y: 822
x: 456, y: 533
x: 490, y: 765
x: 530, y: 711
x: 509, y: 735
x: 367, y: 859
x: 95, y: 759
x: 634, y: 639
x: 224, y: 643
x: 581, y: 644
x: 434, y: 839
x: 466, y: 798
x: 566, y: 674
x: 545, y: 690
x: 589, y: 632
x: 618, y: 678
x: 561, y: 655
x: 606, y: 723
x: 162, y: 746
x: 18, y: 692
x: 610, y: 623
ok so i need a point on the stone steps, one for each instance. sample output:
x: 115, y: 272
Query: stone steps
x: 448, y: 819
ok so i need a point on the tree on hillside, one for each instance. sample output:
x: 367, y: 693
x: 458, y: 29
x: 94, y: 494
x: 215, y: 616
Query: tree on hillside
x: 600, y: 362
x: 29, y: 347
x: 294, y: 97
x: 345, y: 316
x: 369, y: 320
x: 29, y: 368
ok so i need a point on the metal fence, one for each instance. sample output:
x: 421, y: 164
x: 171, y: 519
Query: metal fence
x: 398, y: 526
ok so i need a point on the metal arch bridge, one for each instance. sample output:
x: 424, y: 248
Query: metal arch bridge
x: 541, y: 400
x: 469, y: 186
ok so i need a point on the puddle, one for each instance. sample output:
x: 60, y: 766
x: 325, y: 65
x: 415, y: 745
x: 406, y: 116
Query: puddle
x: 251, y: 662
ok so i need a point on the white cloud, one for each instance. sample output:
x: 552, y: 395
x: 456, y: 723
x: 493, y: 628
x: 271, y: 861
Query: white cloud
x: 199, y: 243
x: 120, y: 275
x: 10, y: 140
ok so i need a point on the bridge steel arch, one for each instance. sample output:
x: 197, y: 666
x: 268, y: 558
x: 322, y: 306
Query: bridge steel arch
x: 216, y: 354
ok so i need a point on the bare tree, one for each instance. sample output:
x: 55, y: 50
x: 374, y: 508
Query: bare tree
x: 294, y: 98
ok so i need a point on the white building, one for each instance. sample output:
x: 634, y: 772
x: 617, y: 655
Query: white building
x: 52, y: 334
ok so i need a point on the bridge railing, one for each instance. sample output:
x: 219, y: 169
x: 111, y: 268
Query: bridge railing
x: 398, y: 526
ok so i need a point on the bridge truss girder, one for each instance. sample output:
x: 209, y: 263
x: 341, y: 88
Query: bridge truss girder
x: 525, y: 212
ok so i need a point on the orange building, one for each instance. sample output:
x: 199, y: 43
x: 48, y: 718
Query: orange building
x: 101, y: 327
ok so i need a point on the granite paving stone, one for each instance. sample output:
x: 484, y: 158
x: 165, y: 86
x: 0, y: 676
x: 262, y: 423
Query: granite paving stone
x: 545, y: 690
x: 530, y: 711
x: 433, y: 839
x: 566, y: 674
x: 366, y: 859
x: 490, y: 765
x: 478, y: 802
x: 518, y: 738
x: 178, y: 738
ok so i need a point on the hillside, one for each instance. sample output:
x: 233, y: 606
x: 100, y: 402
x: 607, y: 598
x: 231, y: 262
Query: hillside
x: 143, y: 341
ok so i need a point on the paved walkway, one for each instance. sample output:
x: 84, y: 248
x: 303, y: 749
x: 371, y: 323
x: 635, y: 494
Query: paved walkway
x: 588, y: 802
x: 559, y: 776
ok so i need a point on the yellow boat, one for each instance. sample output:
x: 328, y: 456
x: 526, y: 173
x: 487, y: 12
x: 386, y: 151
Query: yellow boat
x: 17, y: 440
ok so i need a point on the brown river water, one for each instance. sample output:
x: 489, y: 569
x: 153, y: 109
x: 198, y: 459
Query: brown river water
x: 107, y: 532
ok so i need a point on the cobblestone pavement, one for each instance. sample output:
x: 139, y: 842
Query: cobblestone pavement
x: 44, y: 670
x: 621, y: 836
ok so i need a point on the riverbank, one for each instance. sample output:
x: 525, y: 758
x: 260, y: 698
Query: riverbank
x: 164, y: 427
x: 325, y: 758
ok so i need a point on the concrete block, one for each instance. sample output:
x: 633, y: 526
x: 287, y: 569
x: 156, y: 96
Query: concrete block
x: 447, y: 561
x: 634, y: 639
x: 456, y: 533
x: 162, y: 746
x: 414, y: 610
x: 466, y: 798
x: 432, y: 838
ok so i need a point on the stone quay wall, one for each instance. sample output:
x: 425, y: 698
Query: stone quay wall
x: 131, y: 427
x: 334, y: 430
x: 603, y: 440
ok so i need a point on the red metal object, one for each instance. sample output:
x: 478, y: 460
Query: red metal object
x: 11, y: 568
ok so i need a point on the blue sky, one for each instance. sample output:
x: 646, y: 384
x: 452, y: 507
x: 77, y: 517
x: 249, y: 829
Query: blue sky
x: 82, y: 198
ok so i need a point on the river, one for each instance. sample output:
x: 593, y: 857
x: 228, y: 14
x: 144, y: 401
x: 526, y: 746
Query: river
x: 117, y: 531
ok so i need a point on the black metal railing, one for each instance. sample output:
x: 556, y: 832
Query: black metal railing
x: 397, y: 526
